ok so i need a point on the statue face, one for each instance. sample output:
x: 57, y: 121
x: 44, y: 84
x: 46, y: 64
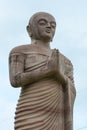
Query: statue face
x: 43, y: 27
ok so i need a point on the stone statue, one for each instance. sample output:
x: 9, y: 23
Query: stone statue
x: 45, y: 77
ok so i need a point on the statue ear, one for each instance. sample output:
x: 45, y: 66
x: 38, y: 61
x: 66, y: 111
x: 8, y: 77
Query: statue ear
x: 29, y: 30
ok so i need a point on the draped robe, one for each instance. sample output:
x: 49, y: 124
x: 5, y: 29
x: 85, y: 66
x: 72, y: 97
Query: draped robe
x: 45, y: 104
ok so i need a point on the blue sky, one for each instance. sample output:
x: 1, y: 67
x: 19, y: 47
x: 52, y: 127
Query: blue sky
x: 70, y: 39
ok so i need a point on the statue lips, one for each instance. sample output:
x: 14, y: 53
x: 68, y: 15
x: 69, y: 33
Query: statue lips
x: 48, y: 30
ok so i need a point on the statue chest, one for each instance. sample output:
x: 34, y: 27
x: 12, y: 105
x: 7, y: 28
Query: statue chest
x: 35, y: 60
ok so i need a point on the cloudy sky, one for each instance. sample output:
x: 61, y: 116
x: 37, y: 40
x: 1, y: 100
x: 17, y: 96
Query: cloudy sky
x: 70, y: 39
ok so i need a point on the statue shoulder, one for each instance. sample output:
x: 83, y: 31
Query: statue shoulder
x: 21, y: 49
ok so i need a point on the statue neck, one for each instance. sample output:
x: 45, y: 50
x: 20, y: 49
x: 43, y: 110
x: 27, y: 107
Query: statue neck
x: 41, y: 44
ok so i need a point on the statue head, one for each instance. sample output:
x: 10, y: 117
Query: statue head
x: 42, y: 27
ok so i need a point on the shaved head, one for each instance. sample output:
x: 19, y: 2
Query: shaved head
x: 34, y: 27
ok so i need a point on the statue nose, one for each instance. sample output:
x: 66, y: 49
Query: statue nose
x: 48, y: 25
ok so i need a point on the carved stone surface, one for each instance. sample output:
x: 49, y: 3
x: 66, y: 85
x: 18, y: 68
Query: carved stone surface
x: 45, y: 77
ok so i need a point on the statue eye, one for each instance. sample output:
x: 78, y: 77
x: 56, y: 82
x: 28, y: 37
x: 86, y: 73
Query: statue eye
x: 53, y: 24
x: 42, y: 22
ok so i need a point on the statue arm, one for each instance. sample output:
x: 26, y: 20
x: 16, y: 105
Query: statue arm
x: 18, y: 76
x: 67, y: 71
x: 33, y: 76
x: 68, y: 75
x: 16, y: 67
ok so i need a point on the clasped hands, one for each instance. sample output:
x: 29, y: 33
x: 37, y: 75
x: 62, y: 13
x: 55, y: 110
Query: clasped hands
x: 53, y: 66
